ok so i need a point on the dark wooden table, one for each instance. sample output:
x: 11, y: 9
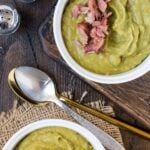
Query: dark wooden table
x: 24, y: 48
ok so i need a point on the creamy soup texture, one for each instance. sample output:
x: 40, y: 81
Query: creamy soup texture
x: 127, y: 44
x: 54, y: 138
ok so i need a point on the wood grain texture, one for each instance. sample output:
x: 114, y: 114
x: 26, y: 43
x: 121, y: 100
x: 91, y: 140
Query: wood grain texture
x: 16, y: 51
x: 24, y: 48
x: 133, y: 97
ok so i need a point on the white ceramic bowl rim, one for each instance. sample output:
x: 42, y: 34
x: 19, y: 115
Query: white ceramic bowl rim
x: 135, y: 73
x: 17, y: 137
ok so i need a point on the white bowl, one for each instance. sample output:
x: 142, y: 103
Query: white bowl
x: 16, y: 138
x: 135, y: 73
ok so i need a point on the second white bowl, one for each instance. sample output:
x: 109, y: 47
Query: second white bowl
x: 16, y: 138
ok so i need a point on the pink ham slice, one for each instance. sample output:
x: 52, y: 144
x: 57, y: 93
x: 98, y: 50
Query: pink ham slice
x: 90, y: 18
x: 101, y: 26
x: 96, y: 33
x: 84, y: 10
x: 93, y: 32
x: 102, y: 5
x: 94, y: 45
x: 100, y: 33
x: 76, y: 11
x: 92, y: 4
x: 93, y: 7
x: 84, y: 30
x: 77, y: 44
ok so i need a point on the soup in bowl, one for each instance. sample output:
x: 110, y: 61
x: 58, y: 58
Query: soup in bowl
x: 53, y: 134
x: 104, y: 41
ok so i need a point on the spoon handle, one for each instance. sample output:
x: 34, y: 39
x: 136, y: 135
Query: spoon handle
x: 106, y: 139
x: 106, y: 117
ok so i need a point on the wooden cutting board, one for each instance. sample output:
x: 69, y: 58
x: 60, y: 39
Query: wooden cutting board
x: 133, y: 97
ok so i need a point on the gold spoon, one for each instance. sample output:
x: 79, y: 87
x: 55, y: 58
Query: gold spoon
x: 35, y: 86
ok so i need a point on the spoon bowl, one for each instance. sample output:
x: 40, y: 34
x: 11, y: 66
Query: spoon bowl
x: 35, y: 84
x: 15, y: 88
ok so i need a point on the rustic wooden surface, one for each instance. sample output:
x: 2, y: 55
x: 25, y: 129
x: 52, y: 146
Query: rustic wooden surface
x: 24, y: 48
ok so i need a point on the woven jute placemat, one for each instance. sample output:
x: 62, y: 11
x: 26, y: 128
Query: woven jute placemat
x: 25, y: 114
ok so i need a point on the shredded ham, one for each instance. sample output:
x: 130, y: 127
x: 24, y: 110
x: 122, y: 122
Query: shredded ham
x: 100, y: 33
x: 84, y: 30
x: 77, y: 44
x: 94, y: 29
x: 90, y: 18
x: 94, y: 45
x: 102, y: 5
x: 84, y: 10
x: 92, y: 4
x: 76, y: 11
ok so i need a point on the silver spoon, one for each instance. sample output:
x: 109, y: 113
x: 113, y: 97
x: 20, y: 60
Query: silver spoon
x: 39, y: 87
x: 36, y: 87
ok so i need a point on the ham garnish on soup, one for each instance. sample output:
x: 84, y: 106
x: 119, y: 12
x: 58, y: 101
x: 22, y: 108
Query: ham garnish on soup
x: 94, y: 28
